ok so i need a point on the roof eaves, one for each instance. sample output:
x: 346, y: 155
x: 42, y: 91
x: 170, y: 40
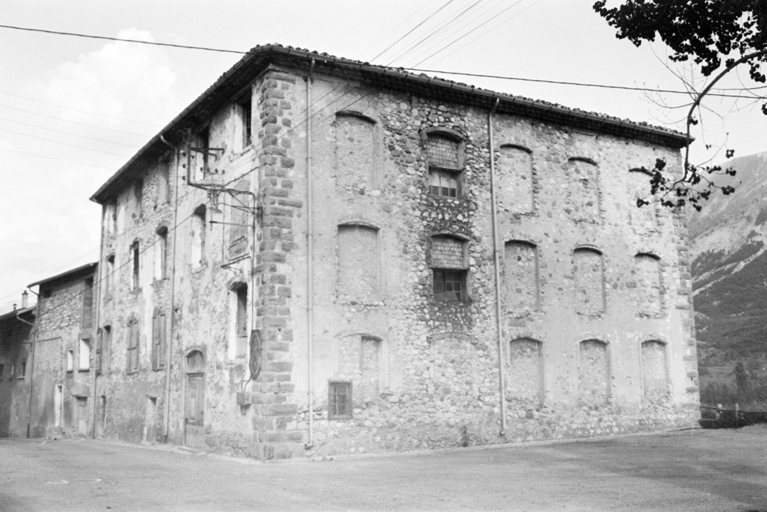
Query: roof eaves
x: 83, y: 269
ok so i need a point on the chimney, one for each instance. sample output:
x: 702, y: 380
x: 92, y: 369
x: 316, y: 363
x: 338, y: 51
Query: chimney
x: 25, y: 300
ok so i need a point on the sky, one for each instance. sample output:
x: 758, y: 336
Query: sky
x: 74, y: 110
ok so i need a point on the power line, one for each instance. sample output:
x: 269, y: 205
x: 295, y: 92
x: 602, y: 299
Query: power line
x: 68, y: 133
x: 413, y: 29
x: 79, y: 110
x: 56, y: 159
x: 395, y: 28
x: 74, y: 122
x: 63, y: 143
x: 126, y: 40
x: 560, y: 82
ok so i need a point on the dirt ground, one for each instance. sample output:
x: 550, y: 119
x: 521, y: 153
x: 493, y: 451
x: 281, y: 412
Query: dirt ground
x: 697, y: 470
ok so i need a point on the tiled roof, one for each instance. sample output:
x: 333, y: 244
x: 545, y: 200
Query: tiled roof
x: 257, y: 59
x: 83, y: 269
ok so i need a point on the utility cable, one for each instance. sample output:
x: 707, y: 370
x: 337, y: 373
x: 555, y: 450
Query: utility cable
x: 63, y: 143
x: 79, y: 110
x: 57, y: 159
x: 75, y: 122
x: 126, y: 40
x: 134, y: 146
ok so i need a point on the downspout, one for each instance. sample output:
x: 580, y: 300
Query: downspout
x: 31, y: 368
x: 497, y: 265
x: 309, y: 255
x: 169, y: 351
x: 99, y: 336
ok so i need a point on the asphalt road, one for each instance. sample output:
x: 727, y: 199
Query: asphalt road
x: 700, y: 470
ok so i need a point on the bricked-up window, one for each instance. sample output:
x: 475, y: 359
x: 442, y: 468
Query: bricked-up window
x: 85, y: 354
x: 588, y: 275
x: 355, y: 152
x: 520, y: 264
x: 445, y: 155
x: 644, y: 219
x: 339, y: 400
x: 240, y: 216
x: 163, y: 182
x: 135, y: 265
x: 593, y: 373
x: 70, y: 360
x: 132, y: 355
x: 86, y: 321
x: 516, y: 187
x: 358, y: 262
x: 449, y: 268
x: 649, y: 288
x: 198, y: 236
x: 161, y: 254
x: 524, y: 380
x: 159, y: 341
x: 582, y: 198
x: 654, y: 370
x: 359, y: 363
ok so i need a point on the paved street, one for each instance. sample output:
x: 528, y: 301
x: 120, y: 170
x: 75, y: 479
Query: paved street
x: 716, y: 470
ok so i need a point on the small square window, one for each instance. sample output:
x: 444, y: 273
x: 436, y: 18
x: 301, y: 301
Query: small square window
x: 23, y: 370
x: 449, y: 285
x: 339, y: 400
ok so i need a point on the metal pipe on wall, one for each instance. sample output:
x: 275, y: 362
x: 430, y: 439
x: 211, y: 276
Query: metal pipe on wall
x: 99, y: 337
x: 169, y: 351
x: 496, y: 265
x: 309, y: 256
x: 31, y: 367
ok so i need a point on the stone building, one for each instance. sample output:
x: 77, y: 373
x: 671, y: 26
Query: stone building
x: 16, y: 337
x: 323, y: 256
x: 61, y: 365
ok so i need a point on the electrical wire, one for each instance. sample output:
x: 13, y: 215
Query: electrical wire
x: 145, y: 136
x: 63, y: 143
x: 56, y: 159
x: 134, y: 146
x: 126, y: 40
x: 395, y: 28
x: 79, y: 110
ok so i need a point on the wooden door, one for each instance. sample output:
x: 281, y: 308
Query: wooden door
x: 195, y: 410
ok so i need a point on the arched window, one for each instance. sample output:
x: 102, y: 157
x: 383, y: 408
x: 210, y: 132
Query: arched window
x: 520, y: 263
x: 355, y: 152
x: 649, y: 288
x: 582, y: 201
x: 358, y: 257
x: 515, y: 180
x: 449, y: 262
x: 588, y: 275
x: 594, y: 373
x: 654, y: 370
x: 445, y: 155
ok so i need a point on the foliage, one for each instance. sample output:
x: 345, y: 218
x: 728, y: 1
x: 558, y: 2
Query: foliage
x: 713, y: 34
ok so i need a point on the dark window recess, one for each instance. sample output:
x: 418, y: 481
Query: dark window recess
x: 23, y: 372
x: 443, y: 183
x: 450, y: 285
x: 2, y: 371
x: 242, y: 319
x: 135, y: 254
x: 138, y: 191
x: 339, y: 400
x: 246, y: 113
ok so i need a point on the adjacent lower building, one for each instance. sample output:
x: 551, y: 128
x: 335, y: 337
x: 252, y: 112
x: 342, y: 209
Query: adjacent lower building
x: 16, y: 337
x: 322, y: 256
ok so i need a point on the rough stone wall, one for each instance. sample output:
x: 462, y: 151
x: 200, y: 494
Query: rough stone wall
x: 355, y: 154
x: 524, y: 384
x: 15, y: 342
x: 60, y: 329
x: 654, y: 372
x: 593, y: 374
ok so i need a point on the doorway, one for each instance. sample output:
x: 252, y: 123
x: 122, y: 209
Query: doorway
x: 194, y: 416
